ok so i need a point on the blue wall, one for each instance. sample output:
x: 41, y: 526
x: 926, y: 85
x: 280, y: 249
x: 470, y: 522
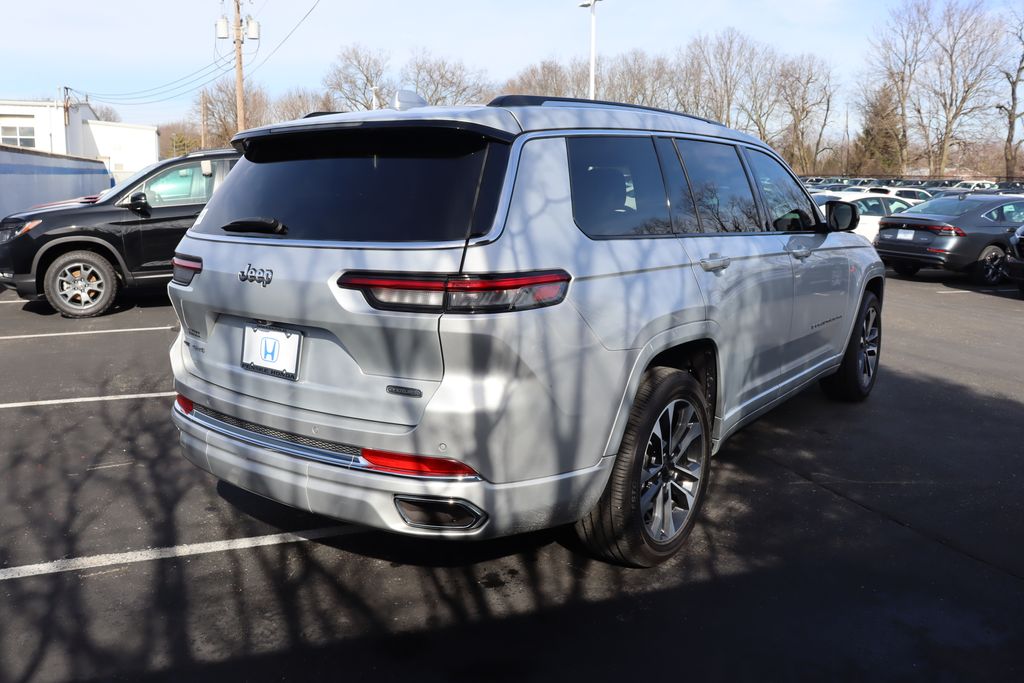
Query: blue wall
x: 28, y: 178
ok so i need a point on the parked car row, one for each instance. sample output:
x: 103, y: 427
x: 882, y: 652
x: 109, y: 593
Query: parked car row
x: 963, y: 229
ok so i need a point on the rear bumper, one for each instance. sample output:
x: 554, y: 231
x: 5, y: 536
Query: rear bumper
x: 948, y: 261
x: 369, y: 498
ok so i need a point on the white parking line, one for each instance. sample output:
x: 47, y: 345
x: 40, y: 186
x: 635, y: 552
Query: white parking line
x: 86, y: 399
x: 16, y: 301
x: 91, y: 562
x: 105, y: 467
x: 73, y: 334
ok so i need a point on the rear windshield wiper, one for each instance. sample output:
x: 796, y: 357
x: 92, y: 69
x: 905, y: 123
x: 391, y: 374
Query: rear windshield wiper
x: 270, y: 226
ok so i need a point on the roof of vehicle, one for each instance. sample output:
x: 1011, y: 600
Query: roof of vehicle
x: 509, y: 116
x: 209, y: 153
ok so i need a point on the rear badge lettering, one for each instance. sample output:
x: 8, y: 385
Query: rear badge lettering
x: 261, y: 276
x: 404, y: 391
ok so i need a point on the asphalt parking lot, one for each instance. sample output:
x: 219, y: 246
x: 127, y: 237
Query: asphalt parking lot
x: 876, y: 541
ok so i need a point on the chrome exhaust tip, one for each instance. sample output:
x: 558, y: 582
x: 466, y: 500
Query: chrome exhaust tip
x: 451, y: 514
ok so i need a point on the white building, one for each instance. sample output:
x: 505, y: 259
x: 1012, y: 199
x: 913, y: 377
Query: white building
x: 43, y: 125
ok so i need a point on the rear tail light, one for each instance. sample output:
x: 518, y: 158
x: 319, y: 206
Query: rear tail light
x: 186, y: 405
x: 947, y: 230
x: 419, y: 465
x: 185, y: 268
x: 459, y: 293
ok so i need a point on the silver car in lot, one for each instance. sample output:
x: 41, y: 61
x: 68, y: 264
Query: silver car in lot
x: 478, y: 321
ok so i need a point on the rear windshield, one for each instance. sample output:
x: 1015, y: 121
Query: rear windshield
x: 948, y: 206
x: 378, y: 185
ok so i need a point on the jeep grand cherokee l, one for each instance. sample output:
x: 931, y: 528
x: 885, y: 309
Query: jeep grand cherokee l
x: 478, y: 321
x: 77, y: 254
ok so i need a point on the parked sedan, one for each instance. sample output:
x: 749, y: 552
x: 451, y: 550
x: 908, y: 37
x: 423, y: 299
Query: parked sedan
x: 967, y: 232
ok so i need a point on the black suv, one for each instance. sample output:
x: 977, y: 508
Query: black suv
x: 77, y: 254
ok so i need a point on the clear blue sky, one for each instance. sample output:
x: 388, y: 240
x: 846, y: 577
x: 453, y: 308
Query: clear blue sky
x: 117, y: 46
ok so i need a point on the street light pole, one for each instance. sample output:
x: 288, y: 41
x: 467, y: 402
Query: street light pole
x: 592, y: 4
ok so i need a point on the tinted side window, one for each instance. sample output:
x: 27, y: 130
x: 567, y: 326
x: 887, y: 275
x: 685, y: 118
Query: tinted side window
x: 720, y: 188
x: 617, y: 188
x: 788, y: 207
x: 684, y: 213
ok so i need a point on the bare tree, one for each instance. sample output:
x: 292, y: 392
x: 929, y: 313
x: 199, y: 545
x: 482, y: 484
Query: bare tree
x: 177, y: 138
x: 358, y: 79
x: 806, y: 94
x: 444, y: 81
x: 1012, y: 71
x: 298, y: 102
x: 105, y: 112
x: 690, y: 82
x: 547, y: 77
x: 958, y: 77
x: 758, y: 96
x: 222, y: 123
x: 725, y: 58
x: 896, y: 57
x: 638, y: 78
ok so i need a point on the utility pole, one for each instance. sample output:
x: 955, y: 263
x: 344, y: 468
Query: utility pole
x: 248, y: 30
x: 239, y: 78
x: 202, y: 119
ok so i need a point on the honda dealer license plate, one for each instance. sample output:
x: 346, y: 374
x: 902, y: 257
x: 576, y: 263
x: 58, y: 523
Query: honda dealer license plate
x: 271, y: 350
x: 905, y: 234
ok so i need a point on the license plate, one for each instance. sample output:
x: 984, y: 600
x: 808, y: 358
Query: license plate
x: 271, y: 350
x: 904, y: 234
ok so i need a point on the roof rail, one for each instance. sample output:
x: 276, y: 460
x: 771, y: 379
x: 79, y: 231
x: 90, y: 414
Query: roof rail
x: 318, y: 113
x: 540, y: 100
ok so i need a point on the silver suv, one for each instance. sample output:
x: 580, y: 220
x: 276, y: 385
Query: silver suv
x: 479, y: 321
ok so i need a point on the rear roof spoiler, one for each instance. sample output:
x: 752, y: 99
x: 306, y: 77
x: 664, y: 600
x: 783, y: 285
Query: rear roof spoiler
x: 240, y: 140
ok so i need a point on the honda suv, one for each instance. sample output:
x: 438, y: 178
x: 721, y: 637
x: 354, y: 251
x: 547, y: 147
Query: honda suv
x: 77, y: 254
x: 479, y: 321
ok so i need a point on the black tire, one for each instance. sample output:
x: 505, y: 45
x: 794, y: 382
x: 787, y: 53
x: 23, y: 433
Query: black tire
x: 617, y: 528
x: 856, y: 376
x: 906, y: 269
x: 80, y: 284
x: 988, y: 269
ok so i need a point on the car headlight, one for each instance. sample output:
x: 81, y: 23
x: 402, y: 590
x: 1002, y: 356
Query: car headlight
x: 11, y: 231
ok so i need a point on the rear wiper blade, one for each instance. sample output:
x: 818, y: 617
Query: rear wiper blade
x: 270, y: 226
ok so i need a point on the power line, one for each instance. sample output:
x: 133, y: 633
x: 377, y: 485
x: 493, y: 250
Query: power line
x: 215, y: 70
x: 159, y: 87
x: 174, y: 96
x: 283, y: 40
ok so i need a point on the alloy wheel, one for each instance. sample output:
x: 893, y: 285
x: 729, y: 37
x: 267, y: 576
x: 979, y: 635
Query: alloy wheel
x: 870, y: 340
x: 80, y: 285
x: 671, y: 471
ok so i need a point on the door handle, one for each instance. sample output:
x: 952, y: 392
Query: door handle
x: 800, y: 253
x: 715, y: 262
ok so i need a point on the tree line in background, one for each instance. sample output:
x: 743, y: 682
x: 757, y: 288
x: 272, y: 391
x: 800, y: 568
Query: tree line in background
x: 941, y: 80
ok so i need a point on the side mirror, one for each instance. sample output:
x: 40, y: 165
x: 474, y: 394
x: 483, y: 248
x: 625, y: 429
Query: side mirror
x: 137, y: 201
x: 841, y: 216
